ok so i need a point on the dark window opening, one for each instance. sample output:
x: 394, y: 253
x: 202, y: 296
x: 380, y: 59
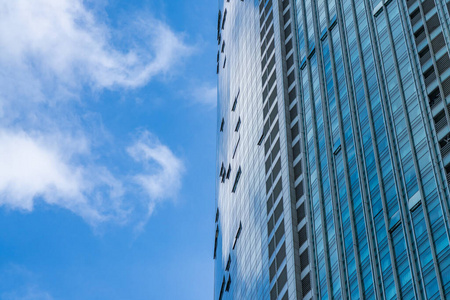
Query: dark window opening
x: 434, y: 97
x: 228, y: 284
x: 222, y: 125
x: 238, y: 234
x: 236, y: 147
x: 261, y: 139
x: 302, y: 236
x: 233, y: 108
x: 236, y: 180
x: 306, y: 284
x: 219, y: 19
x: 228, y: 263
x: 222, y: 288
x: 224, y: 19
x: 301, y: 214
x: 222, y: 170
x: 215, y: 241
x: 238, y: 125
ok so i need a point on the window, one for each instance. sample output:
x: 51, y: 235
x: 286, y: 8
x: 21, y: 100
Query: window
x: 236, y: 147
x: 238, y: 125
x: 236, y: 180
x: 228, y: 284
x: 222, y: 289
x: 222, y: 170
x: 224, y: 19
x: 337, y: 147
x: 233, y: 108
x: 229, y: 171
x: 218, y: 20
x: 378, y: 9
x: 223, y: 46
x: 261, y: 139
x: 215, y: 241
x: 217, y: 215
x: 238, y: 234
x: 222, y: 125
x: 228, y: 263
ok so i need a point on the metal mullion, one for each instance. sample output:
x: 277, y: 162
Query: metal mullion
x: 332, y: 172
x: 319, y: 172
x: 305, y: 166
x: 367, y: 208
x: 404, y: 211
x: 354, y: 124
x: 322, y: 97
x: 293, y: 202
x: 393, y: 152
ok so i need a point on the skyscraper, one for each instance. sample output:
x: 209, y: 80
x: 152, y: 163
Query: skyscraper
x: 333, y: 150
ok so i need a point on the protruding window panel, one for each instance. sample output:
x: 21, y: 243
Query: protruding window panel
x: 261, y: 139
x: 236, y: 147
x: 238, y: 234
x: 215, y: 241
x: 222, y: 125
x: 224, y: 18
x: 222, y: 170
x: 227, y: 268
x: 236, y: 180
x: 227, y: 289
x: 238, y: 125
x: 233, y: 107
x: 222, y: 289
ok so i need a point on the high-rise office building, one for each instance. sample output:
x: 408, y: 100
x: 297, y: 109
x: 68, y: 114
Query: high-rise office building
x: 333, y: 150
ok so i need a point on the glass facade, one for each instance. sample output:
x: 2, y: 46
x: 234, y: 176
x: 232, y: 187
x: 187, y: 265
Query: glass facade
x: 333, y: 149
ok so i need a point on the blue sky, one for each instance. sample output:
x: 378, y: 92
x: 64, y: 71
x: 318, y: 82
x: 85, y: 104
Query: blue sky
x: 107, y: 149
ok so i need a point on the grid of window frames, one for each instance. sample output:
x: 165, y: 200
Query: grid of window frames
x: 374, y: 180
x: 255, y: 248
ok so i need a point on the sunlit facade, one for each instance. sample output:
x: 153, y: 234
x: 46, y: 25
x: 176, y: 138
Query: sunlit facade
x: 333, y: 150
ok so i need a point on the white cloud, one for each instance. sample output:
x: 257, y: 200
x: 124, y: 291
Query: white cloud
x: 163, y: 170
x: 35, y: 167
x: 50, y: 51
x: 62, y: 40
x: 206, y: 95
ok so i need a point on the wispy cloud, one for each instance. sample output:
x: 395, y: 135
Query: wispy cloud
x: 206, y: 95
x: 51, y: 51
x: 62, y: 40
x: 18, y: 283
x: 27, y: 293
x: 162, y: 174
